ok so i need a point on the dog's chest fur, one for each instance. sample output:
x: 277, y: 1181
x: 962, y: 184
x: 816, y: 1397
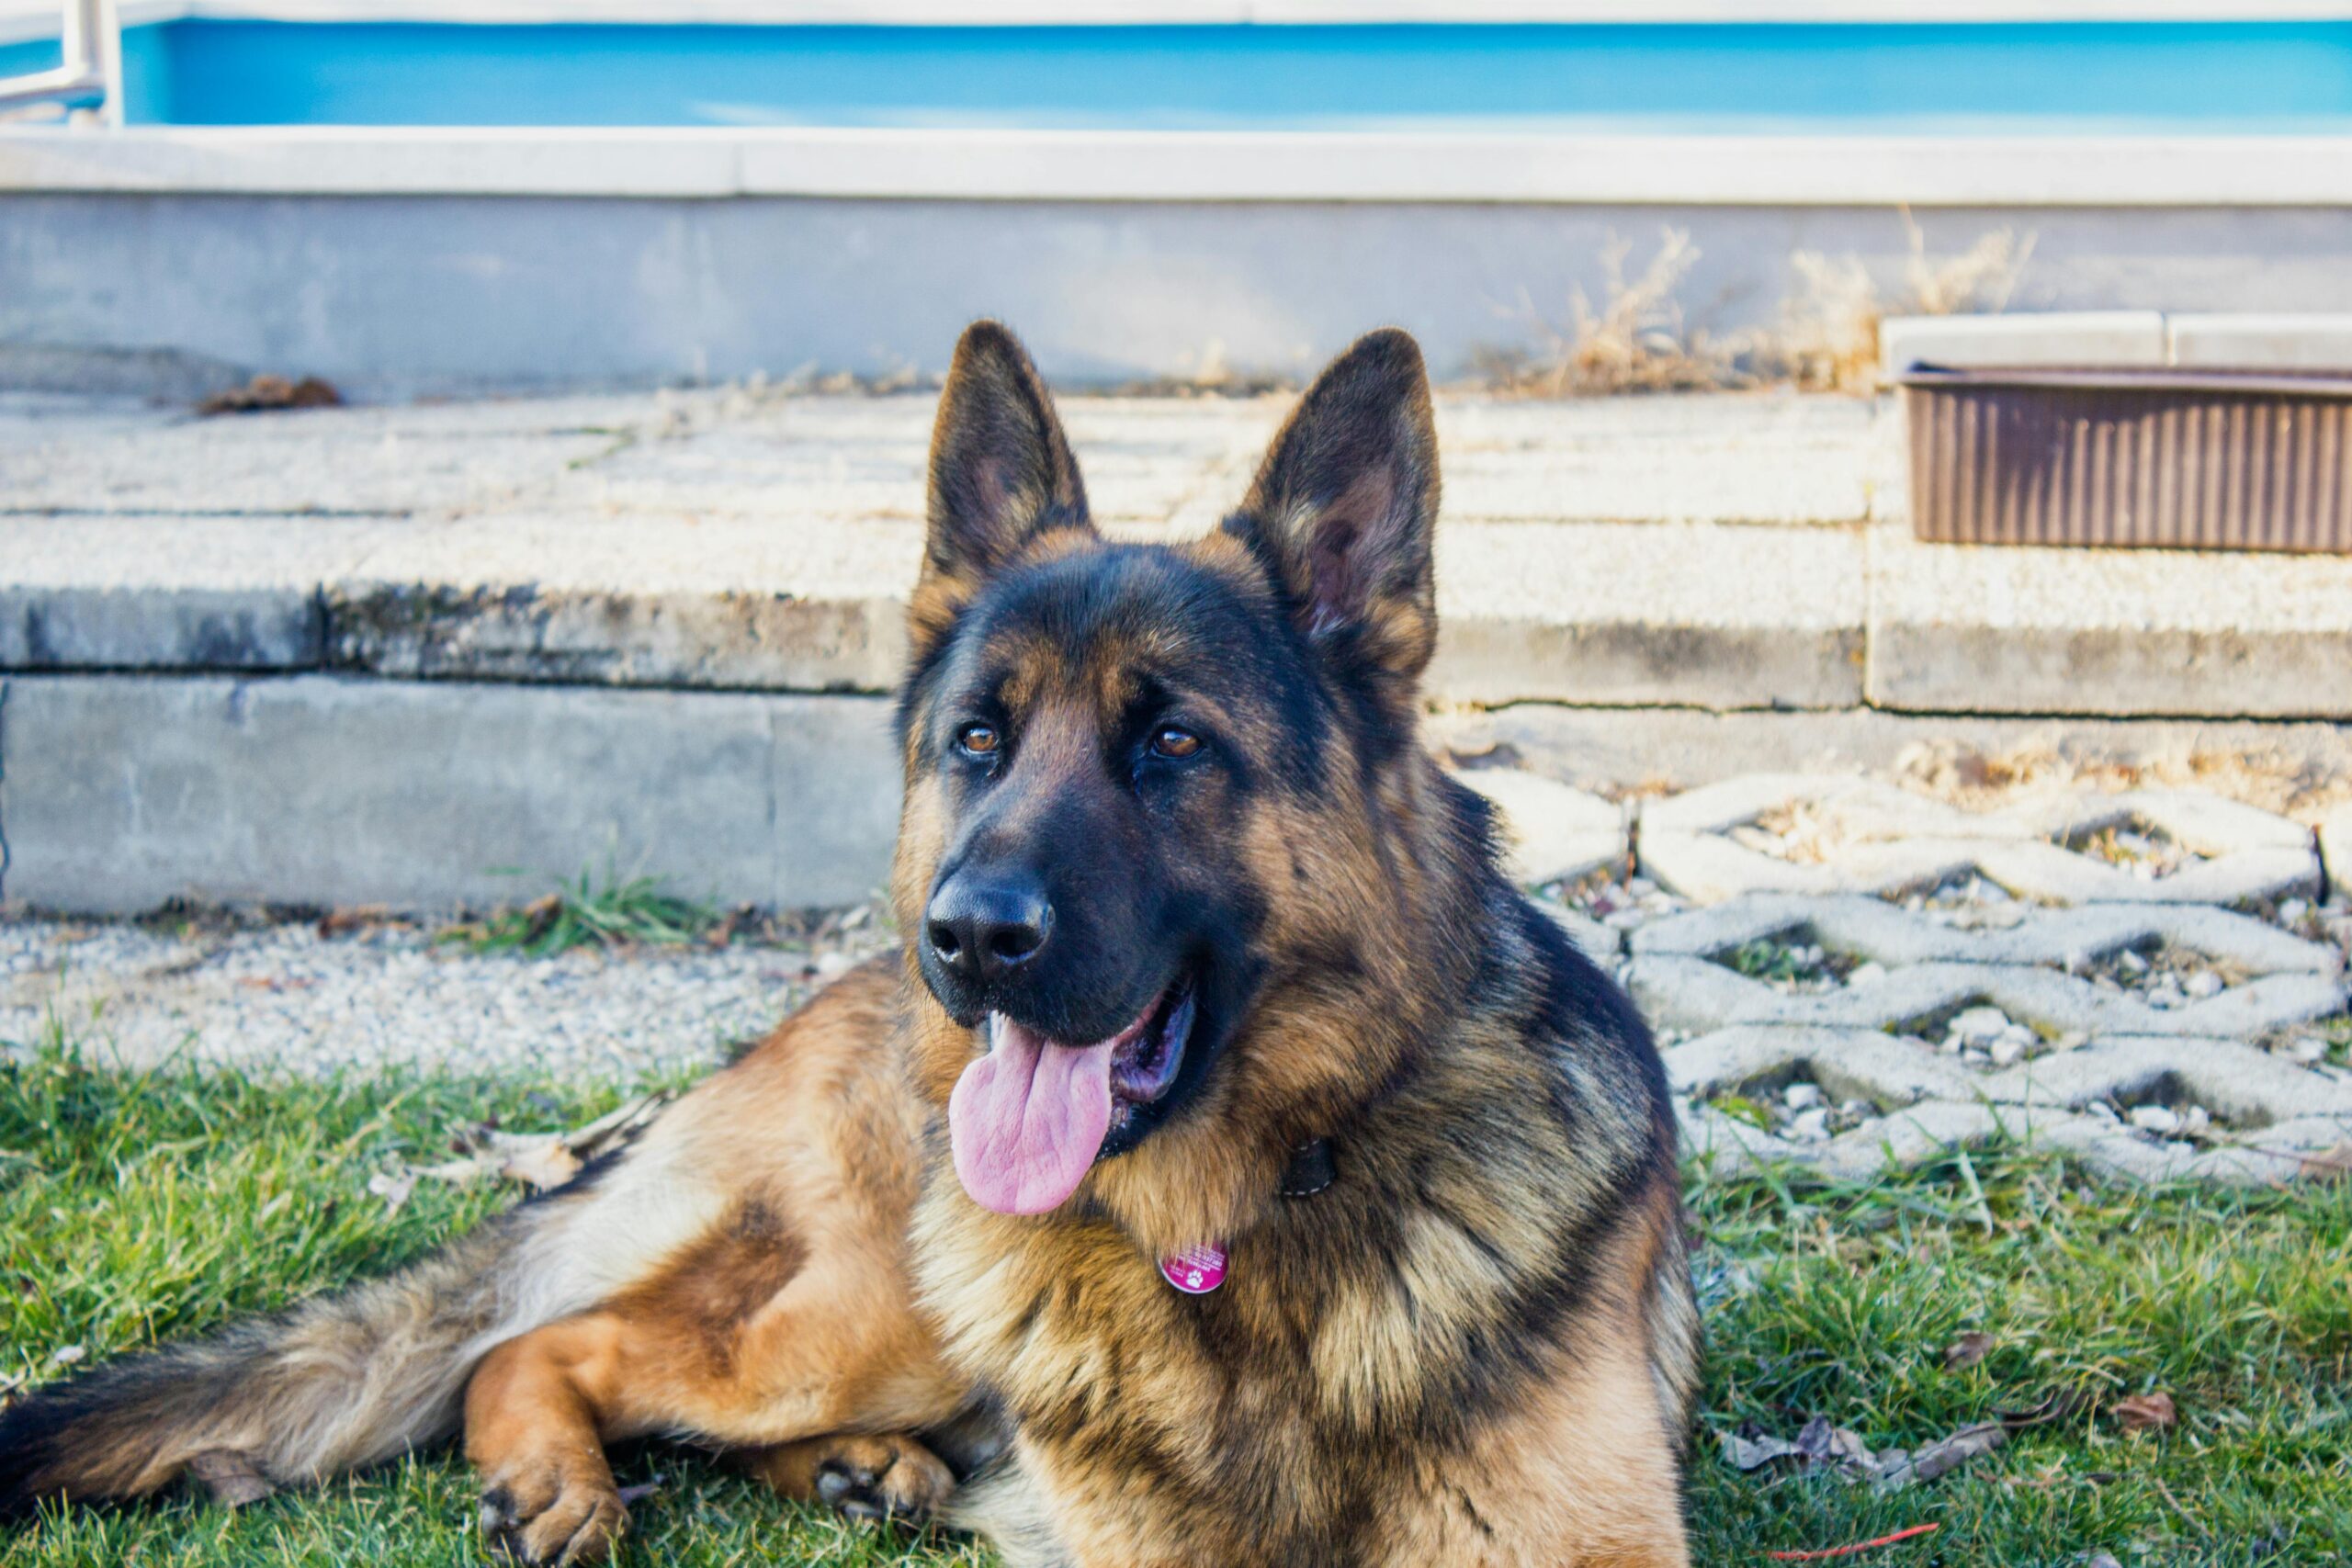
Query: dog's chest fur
x: 1364, y: 1338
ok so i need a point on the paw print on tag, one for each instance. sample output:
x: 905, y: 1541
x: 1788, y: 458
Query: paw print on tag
x: 1196, y: 1270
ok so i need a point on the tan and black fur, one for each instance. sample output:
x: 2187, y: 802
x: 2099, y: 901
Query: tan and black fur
x: 1477, y: 1346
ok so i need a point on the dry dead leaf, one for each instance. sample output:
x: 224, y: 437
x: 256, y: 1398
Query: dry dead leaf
x: 392, y: 1189
x: 1967, y: 1351
x: 2328, y: 1164
x: 544, y: 1160
x: 337, y: 922
x: 264, y: 393
x: 2147, y: 1412
x: 1820, y: 1446
x: 541, y: 1166
x: 230, y: 1477
x: 1940, y: 1458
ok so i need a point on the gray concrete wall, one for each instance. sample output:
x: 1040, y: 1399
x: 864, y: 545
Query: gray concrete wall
x: 389, y: 296
x: 117, y: 794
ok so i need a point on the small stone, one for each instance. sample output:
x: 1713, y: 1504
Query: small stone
x: 2305, y: 1049
x: 2101, y: 1111
x: 1803, y: 1096
x: 2008, y: 1050
x: 2292, y: 911
x: 2195, y: 1122
x: 2155, y: 1119
x: 1975, y: 1057
x: 2203, y: 984
x: 1979, y: 1025
x: 1869, y: 973
x: 1810, y: 1126
x: 2130, y: 961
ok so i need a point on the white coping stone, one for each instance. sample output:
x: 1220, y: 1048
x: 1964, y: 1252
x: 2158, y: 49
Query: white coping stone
x: 1556, y: 832
x: 966, y: 163
x: 2134, y: 338
x: 2262, y: 342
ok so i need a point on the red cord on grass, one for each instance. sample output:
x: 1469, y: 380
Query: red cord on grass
x: 1857, y: 1545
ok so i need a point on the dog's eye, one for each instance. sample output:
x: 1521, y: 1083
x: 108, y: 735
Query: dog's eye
x: 977, y: 739
x: 1168, y: 740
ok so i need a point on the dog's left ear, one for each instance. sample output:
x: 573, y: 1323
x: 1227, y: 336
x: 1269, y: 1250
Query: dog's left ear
x: 1344, y: 512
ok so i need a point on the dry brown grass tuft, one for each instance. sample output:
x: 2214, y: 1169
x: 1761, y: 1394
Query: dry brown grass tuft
x: 1636, y: 342
x: 1829, y: 341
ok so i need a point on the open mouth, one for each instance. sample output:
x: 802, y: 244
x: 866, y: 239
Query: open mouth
x: 1028, y: 1120
x: 1146, y: 1056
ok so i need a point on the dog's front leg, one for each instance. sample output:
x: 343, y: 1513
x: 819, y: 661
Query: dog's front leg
x: 536, y: 1413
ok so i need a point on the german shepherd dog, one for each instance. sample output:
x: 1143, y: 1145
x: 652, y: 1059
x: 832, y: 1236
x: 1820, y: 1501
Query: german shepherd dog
x: 1233, y: 1170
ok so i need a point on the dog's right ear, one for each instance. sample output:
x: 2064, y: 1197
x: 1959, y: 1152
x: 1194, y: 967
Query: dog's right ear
x: 1002, y: 474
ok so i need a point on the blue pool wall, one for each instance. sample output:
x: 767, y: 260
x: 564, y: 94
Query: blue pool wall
x: 2253, y: 76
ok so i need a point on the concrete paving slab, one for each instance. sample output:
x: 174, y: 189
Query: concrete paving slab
x: 111, y: 592
x: 1665, y: 749
x: 119, y: 793
x: 1585, y: 615
x: 629, y: 600
x: 1960, y: 628
x: 324, y: 460
x: 863, y: 459
x: 1729, y: 457
x: 1702, y: 615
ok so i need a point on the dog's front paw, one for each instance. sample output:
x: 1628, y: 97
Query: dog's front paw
x: 554, y: 1517
x: 882, y: 1478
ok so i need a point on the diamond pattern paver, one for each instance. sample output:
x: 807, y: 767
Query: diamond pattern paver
x: 1855, y: 835
x: 1815, y: 860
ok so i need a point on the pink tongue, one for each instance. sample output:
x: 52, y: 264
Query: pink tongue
x: 1027, y: 1118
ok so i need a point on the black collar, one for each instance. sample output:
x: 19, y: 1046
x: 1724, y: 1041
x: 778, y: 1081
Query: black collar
x: 1311, y: 1169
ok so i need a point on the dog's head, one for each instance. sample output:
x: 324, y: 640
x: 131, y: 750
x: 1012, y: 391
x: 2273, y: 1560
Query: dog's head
x: 1150, y: 867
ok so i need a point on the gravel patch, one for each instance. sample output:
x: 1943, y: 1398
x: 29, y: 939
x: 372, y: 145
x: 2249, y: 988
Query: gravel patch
x: 286, y: 998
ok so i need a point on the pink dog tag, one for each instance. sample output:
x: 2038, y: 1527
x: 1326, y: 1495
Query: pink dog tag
x: 1196, y: 1270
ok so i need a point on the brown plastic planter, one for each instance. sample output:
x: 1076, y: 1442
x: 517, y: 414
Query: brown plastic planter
x: 2202, y: 459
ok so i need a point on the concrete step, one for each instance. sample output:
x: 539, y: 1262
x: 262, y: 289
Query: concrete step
x: 393, y: 655
x: 1720, y: 552
x: 710, y: 541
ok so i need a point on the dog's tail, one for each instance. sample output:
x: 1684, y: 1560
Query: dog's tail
x: 334, y: 1384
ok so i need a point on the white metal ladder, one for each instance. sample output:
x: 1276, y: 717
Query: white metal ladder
x: 92, y: 67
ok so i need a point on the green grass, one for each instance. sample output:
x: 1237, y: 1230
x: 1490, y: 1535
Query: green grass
x: 139, y: 1208
x: 584, y: 914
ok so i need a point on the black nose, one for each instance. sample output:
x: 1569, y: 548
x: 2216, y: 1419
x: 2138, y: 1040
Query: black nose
x: 983, y: 927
